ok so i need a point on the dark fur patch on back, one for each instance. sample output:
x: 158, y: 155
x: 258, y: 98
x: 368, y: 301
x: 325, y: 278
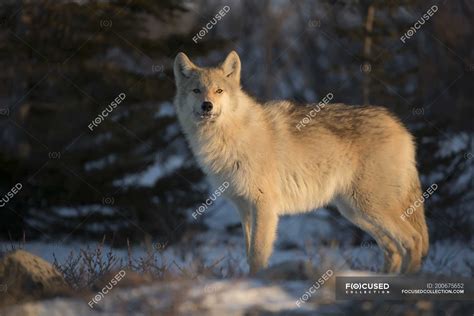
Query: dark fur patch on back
x: 341, y: 120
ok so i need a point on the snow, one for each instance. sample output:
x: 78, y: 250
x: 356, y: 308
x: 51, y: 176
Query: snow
x: 148, y: 177
x: 60, y: 250
x: 165, y: 109
x: 301, y: 239
x: 320, y: 238
x: 314, y: 237
x: 190, y: 298
x: 454, y: 144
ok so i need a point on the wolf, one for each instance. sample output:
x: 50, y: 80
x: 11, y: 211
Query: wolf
x: 359, y: 158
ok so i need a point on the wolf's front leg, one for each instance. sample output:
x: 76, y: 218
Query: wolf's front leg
x: 246, y: 221
x: 245, y: 212
x: 263, y: 235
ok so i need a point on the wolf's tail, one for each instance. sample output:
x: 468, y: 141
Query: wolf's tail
x: 417, y: 218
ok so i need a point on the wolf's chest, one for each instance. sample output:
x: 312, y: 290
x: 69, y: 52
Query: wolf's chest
x: 227, y: 163
x: 223, y: 163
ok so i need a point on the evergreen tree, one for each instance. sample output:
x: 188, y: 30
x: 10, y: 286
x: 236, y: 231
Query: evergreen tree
x: 393, y: 73
x: 63, y: 63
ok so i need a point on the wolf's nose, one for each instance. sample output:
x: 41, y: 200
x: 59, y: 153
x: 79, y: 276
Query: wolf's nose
x: 206, y: 106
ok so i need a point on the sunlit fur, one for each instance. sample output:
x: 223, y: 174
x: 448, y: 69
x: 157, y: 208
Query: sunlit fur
x: 360, y: 158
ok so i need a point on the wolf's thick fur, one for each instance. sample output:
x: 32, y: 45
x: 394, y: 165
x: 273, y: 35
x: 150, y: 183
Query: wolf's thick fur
x: 361, y: 158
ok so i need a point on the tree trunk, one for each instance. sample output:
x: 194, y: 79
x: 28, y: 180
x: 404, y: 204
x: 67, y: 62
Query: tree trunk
x: 369, y: 24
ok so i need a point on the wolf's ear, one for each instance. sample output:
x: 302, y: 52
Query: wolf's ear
x: 183, y: 66
x: 231, y: 66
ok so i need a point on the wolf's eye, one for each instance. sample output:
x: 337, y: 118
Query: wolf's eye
x: 196, y: 90
x: 219, y: 91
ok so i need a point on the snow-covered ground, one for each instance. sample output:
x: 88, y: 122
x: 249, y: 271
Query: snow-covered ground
x: 319, y: 236
x: 229, y: 297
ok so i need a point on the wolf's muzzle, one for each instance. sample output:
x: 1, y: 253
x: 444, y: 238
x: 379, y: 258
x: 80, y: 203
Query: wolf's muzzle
x: 206, y: 107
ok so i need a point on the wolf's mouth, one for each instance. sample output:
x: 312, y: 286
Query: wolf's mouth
x: 206, y: 116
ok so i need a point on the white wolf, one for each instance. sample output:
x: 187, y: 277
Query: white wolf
x: 361, y: 158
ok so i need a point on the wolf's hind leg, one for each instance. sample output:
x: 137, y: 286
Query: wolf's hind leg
x: 410, y: 240
x: 406, y: 239
x: 392, y: 253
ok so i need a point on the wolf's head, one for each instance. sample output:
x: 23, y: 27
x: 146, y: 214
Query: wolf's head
x: 205, y: 94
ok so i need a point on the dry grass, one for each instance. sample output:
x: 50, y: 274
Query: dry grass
x: 83, y: 268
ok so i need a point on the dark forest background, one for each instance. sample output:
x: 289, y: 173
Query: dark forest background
x: 132, y: 177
